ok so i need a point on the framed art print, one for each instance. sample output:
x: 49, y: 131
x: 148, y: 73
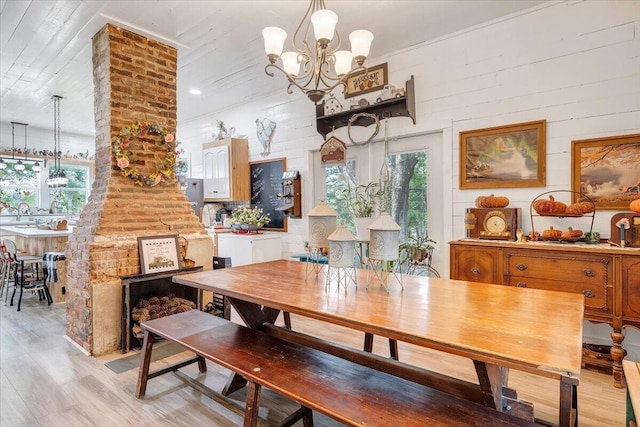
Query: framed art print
x: 159, y: 253
x: 504, y: 156
x: 607, y: 170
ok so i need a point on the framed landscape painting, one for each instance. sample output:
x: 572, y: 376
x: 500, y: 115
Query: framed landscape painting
x: 607, y: 170
x: 504, y: 156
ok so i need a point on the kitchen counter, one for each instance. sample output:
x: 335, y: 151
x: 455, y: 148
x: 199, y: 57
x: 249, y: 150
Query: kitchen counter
x: 34, y: 241
x: 32, y: 232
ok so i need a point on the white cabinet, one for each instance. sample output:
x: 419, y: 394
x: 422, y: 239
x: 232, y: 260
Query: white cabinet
x: 246, y: 249
x: 226, y: 170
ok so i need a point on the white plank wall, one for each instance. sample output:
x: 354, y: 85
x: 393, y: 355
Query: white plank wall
x: 575, y: 64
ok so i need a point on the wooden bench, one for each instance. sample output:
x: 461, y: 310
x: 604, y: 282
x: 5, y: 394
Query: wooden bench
x: 348, y: 392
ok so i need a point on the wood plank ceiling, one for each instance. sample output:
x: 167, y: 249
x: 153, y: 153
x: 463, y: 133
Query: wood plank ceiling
x: 45, y: 46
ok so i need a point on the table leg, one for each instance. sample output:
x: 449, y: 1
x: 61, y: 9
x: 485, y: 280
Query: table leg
x: 568, y: 402
x: 492, y: 378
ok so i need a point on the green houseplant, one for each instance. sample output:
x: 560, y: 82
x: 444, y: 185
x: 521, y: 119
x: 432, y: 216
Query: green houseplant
x: 249, y: 219
x: 362, y: 202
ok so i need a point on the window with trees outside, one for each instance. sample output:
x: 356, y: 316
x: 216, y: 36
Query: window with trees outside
x: 28, y: 189
x: 414, y: 198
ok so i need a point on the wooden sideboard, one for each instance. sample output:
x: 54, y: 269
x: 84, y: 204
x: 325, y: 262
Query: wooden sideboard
x: 608, y: 277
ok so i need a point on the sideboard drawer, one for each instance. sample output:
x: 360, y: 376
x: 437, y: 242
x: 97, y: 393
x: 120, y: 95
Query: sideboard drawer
x: 596, y: 296
x: 588, y: 269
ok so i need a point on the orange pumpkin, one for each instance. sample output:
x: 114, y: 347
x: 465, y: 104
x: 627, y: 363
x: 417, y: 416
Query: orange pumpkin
x: 551, y: 206
x: 580, y: 208
x: 635, y: 205
x: 492, y: 201
x: 551, y: 232
x: 571, y: 233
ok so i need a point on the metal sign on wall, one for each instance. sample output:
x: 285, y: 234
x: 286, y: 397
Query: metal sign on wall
x: 333, y: 152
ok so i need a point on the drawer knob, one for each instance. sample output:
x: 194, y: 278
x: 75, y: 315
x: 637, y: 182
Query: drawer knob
x: 588, y: 272
x: 475, y: 271
x: 521, y: 267
x: 588, y: 293
x: 521, y: 284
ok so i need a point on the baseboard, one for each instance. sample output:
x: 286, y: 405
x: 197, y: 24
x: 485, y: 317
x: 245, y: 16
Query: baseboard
x: 78, y: 346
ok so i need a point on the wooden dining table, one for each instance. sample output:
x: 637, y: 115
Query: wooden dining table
x: 497, y: 327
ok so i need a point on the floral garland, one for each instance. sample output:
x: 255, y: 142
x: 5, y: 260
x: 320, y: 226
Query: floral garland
x: 165, y: 171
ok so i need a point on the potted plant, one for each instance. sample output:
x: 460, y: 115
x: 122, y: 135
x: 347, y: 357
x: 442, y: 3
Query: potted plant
x: 249, y: 219
x: 417, y: 250
x: 363, y: 201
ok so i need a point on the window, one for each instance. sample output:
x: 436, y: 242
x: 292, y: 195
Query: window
x: 72, y: 198
x: 17, y: 187
x: 22, y: 190
x: 406, y: 198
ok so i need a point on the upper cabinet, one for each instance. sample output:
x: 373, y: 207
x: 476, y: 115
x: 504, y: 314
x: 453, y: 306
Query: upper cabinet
x: 226, y: 170
x: 404, y: 106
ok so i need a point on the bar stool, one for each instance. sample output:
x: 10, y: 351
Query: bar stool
x: 22, y: 273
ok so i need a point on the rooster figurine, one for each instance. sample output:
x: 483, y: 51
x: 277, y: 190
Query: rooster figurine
x: 265, y: 129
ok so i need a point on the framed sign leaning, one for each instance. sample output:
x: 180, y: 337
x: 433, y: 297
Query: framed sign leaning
x: 375, y: 78
x: 159, y: 253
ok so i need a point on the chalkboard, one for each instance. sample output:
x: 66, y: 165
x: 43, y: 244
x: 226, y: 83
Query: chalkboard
x: 266, y: 184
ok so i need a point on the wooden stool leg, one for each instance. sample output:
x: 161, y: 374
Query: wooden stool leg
x: 145, y: 362
x: 253, y: 405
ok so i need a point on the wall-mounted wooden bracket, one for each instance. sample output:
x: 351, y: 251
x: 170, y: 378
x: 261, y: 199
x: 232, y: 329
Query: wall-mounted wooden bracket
x: 395, y: 107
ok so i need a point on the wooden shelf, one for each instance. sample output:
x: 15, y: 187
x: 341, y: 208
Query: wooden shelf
x: 396, y: 107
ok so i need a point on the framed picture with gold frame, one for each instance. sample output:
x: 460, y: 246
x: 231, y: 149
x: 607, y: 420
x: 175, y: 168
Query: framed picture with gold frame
x: 504, y: 156
x: 607, y: 170
x: 375, y: 78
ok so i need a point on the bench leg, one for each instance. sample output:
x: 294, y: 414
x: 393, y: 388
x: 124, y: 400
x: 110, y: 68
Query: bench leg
x: 253, y: 405
x: 145, y: 362
x: 368, y: 342
x: 202, y: 364
x: 303, y: 413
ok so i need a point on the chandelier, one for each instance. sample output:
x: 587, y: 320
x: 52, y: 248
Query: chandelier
x: 317, y: 66
x: 20, y: 165
x: 57, y: 177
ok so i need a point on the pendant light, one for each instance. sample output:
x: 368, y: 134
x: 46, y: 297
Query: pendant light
x: 57, y: 177
x: 19, y: 166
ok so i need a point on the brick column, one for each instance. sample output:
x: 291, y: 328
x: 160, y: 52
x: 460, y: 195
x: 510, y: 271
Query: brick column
x: 134, y: 80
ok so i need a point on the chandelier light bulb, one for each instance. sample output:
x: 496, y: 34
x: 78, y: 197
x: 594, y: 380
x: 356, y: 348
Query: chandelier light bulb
x: 344, y: 58
x: 274, y: 38
x: 324, y: 25
x: 36, y: 167
x: 290, y: 63
x: 360, y: 44
x: 3, y: 165
x: 19, y: 166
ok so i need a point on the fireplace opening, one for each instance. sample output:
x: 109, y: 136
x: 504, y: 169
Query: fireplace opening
x: 146, y: 296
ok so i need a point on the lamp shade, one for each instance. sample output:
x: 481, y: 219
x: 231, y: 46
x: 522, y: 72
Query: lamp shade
x: 385, y: 238
x: 344, y: 58
x: 322, y: 222
x: 341, y: 248
x: 290, y: 63
x: 274, y: 38
x: 360, y: 43
x: 324, y: 24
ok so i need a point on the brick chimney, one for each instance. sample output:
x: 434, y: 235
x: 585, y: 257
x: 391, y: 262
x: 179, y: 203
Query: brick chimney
x: 135, y: 80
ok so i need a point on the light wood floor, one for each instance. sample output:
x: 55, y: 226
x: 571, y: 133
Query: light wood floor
x: 46, y: 381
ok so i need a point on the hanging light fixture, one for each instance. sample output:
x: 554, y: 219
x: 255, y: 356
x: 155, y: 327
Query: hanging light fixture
x: 317, y: 57
x: 57, y: 177
x: 19, y: 166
